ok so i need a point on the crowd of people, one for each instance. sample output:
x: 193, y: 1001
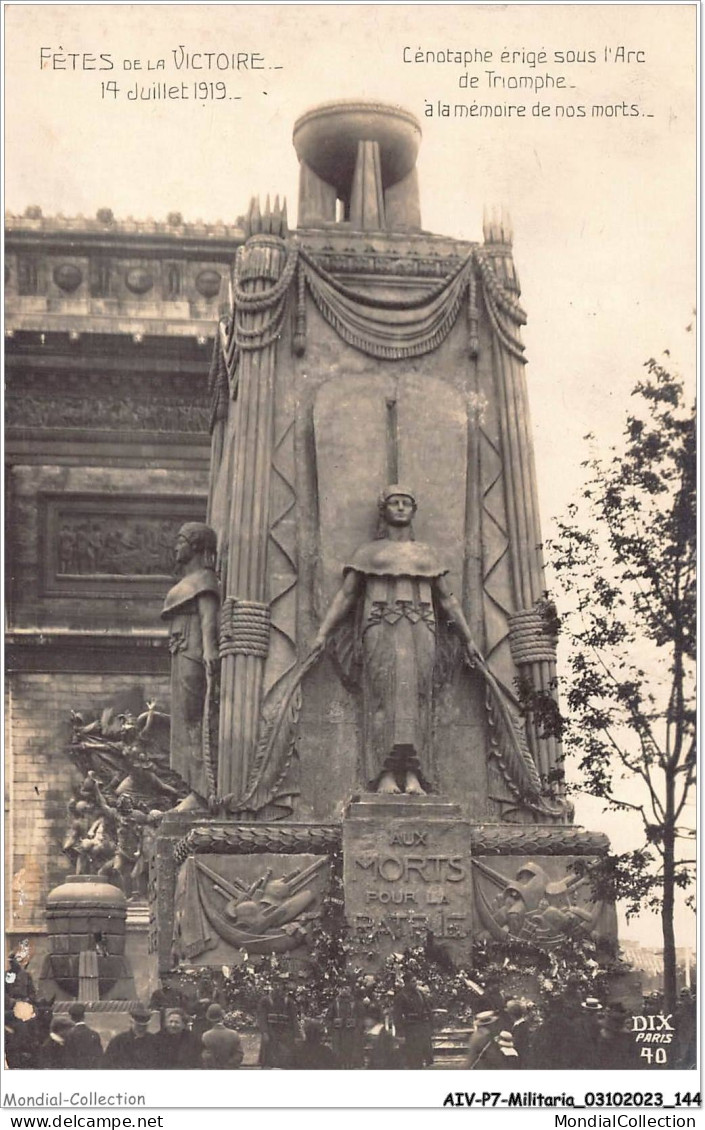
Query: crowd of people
x: 505, y: 1034
x: 197, y: 1036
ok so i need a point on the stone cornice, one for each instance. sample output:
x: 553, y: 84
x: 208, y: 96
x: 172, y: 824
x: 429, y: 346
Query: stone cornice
x: 20, y: 317
x: 43, y: 230
x: 65, y: 650
x: 102, y: 276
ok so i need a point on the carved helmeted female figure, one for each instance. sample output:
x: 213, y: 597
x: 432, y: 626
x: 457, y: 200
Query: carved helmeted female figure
x: 191, y: 608
x: 396, y: 585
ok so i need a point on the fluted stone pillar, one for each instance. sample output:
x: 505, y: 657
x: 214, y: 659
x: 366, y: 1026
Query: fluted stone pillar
x: 245, y: 619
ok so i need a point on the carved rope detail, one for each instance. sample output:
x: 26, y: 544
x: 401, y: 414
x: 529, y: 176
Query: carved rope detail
x: 244, y: 628
x: 528, y: 640
x: 270, y: 304
x: 255, y: 840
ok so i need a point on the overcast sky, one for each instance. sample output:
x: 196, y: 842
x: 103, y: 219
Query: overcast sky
x: 603, y: 207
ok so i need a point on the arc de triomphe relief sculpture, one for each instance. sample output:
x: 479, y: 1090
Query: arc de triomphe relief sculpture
x: 381, y: 587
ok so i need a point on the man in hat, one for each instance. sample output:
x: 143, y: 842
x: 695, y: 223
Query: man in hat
x: 278, y: 1022
x: 518, y: 1014
x: 52, y: 1054
x: 346, y: 1022
x: 614, y: 1047
x: 135, y: 1049
x: 501, y: 1055
x: 482, y: 1052
x: 585, y: 1050
x: 221, y: 1047
x: 413, y: 1022
x: 84, y: 1051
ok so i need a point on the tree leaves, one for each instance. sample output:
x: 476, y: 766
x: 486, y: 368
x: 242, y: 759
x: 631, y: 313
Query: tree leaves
x: 626, y: 557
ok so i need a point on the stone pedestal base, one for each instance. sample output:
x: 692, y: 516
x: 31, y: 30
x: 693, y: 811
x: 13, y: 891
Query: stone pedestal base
x: 86, y: 927
x: 407, y: 871
x: 414, y: 869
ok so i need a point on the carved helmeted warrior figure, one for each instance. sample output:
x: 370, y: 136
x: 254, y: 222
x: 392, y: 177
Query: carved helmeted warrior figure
x: 82, y: 812
x: 127, y: 863
x: 395, y: 584
x: 191, y: 608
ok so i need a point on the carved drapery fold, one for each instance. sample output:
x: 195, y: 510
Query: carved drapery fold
x: 218, y: 393
x: 397, y: 328
x: 517, y: 511
x: 504, y: 311
x: 264, y: 270
x: 391, y: 329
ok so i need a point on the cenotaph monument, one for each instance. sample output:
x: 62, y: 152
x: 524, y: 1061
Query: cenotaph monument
x: 368, y: 595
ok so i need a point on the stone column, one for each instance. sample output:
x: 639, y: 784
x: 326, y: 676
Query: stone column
x: 245, y: 622
x: 533, y: 650
x: 367, y: 195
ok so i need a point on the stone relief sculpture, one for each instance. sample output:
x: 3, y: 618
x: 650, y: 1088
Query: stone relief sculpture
x: 534, y: 907
x: 277, y: 509
x: 124, y: 754
x: 348, y: 360
x: 93, y: 831
x: 107, y: 839
x: 191, y: 609
x: 126, y: 863
x: 269, y: 914
x: 389, y: 643
x: 82, y: 812
x: 358, y: 351
x: 144, y: 783
x: 396, y: 585
x: 126, y: 788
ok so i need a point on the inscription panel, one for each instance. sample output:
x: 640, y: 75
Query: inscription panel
x: 406, y: 876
